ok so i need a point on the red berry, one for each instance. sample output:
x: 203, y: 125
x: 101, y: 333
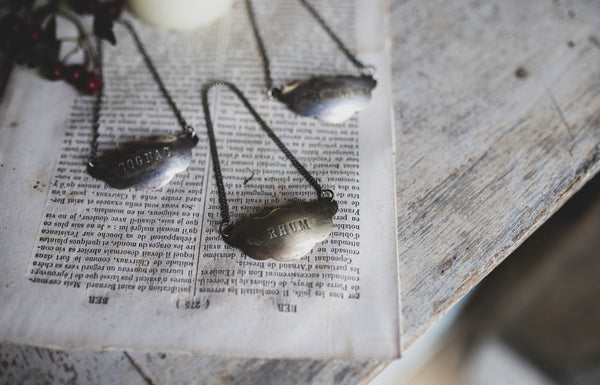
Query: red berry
x: 12, y: 23
x: 74, y: 73
x: 12, y: 31
x: 54, y: 71
x: 114, y: 8
x: 90, y: 83
x: 35, y: 32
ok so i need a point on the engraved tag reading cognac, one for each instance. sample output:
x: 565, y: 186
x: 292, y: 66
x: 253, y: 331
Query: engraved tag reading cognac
x: 145, y: 164
x: 285, y: 233
x: 329, y: 98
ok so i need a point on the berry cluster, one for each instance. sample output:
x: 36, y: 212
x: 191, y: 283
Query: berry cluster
x: 85, y: 81
x: 29, y: 36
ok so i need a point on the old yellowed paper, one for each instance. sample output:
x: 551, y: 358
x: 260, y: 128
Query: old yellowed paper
x: 88, y: 266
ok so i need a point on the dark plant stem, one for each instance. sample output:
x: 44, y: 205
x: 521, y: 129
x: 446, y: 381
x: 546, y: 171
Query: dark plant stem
x: 83, y: 40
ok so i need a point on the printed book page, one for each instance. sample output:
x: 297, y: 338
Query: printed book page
x: 85, y: 265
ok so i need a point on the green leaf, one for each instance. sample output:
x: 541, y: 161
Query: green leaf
x: 42, y: 53
x: 50, y: 30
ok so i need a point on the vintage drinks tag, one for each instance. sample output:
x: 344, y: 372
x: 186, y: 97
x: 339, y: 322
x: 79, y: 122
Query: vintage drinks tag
x: 329, y: 98
x: 145, y: 164
x: 285, y: 233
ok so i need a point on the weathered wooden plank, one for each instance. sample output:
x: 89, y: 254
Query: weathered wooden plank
x: 557, y: 329
x: 542, y: 297
x: 40, y: 366
x: 33, y: 365
x: 215, y: 370
x: 497, y: 125
x: 542, y: 302
x: 539, y: 267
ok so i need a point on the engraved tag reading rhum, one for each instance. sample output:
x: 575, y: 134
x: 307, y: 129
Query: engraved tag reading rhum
x: 285, y: 233
x: 329, y: 98
x: 145, y: 164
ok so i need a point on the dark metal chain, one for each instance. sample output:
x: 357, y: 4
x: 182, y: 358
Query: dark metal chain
x: 261, y: 46
x: 321, y: 193
x: 364, y: 69
x: 357, y: 63
x: 185, y: 127
x: 97, y: 105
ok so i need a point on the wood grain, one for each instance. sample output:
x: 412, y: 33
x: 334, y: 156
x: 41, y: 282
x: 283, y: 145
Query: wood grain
x: 41, y: 366
x: 497, y: 113
x: 558, y: 328
x: 215, y: 370
x: 497, y: 125
x: 541, y: 304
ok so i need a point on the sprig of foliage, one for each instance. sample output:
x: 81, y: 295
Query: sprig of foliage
x: 28, y: 34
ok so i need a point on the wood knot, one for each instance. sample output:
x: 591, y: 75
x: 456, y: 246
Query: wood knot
x: 521, y: 72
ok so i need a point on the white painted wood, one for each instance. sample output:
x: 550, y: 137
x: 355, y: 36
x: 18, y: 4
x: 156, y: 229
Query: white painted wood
x: 214, y: 370
x: 32, y: 365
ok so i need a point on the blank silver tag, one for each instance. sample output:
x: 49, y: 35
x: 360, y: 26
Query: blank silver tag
x: 145, y: 164
x: 329, y: 98
x: 285, y: 233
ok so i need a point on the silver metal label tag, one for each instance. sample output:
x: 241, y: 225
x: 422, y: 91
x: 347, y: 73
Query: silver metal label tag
x: 285, y: 233
x: 145, y: 164
x: 329, y: 98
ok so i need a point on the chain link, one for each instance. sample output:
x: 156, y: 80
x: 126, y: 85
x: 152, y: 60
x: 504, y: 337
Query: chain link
x: 97, y: 106
x: 261, y: 48
x: 140, y: 46
x: 185, y: 127
x: 274, y: 92
x: 226, y: 219
x: 342, y: 47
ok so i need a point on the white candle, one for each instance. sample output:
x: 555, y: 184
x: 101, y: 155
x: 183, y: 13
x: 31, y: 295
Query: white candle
x: 179, y: 14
